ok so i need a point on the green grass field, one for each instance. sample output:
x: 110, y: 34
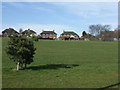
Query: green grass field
x: 65, y: 64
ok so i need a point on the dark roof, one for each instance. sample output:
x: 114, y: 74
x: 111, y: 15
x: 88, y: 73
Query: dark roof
x: 69, y: 32
x: 48, y: 32
x: 9, y: 30
x: 29, y: 31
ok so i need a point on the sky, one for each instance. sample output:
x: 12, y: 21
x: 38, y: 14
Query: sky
x: 58, y: 16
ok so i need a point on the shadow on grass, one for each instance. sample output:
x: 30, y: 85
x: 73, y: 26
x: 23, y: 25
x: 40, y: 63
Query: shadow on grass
x: 110, y: 86
x: 52, y: 66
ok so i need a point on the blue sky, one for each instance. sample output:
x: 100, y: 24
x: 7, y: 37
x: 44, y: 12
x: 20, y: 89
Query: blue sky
x: 69, y: 16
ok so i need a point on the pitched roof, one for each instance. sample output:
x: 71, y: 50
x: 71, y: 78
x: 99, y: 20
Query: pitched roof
x: 29, y: 31
x: 9, y: 30
x: 48, y: 32
x: 69, y: 32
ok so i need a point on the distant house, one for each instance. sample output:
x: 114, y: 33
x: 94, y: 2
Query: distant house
x: 108, y: 36
x: 69, y: 35
x: 48, y: 35
x: 117, y: 35
x: 9, y: 32
x: 28, y: 33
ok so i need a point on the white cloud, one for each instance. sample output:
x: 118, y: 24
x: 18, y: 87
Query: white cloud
x: 30, y: 6
x: 83, y: 9
x: 90, y: 9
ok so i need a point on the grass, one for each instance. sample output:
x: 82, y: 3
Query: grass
x: 65, y: 64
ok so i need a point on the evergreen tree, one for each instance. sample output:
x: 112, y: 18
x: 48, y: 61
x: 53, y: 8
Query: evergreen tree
x: 84, y: 34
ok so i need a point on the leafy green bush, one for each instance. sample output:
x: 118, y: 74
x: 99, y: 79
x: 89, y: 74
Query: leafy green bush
x: 21, y: 50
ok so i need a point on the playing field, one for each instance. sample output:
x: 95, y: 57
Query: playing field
x: 65, y: 64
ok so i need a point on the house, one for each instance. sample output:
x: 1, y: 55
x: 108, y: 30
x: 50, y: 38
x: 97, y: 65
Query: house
x: 108, y: 36
x: 48, y: 35
x: 9, y: 32
x: 28, y: 33
x: 69, y: 35
x: 117, y: 35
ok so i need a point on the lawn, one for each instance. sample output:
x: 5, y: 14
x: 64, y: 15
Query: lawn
x: 65, y: 64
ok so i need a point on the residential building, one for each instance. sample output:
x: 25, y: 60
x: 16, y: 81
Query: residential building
x: 69, y: 35
x: 48, y: 35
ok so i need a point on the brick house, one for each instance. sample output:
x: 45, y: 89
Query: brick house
x: 69, y: 35
x: 48, y: 35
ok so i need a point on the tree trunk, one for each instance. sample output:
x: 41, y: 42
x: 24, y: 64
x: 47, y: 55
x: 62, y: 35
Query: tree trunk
x: 21, y: 66
x: 25, y: 66
x: 18, y: 65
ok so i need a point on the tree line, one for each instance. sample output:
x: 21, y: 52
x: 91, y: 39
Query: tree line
x: 102, y: 32
x: 96, y: 32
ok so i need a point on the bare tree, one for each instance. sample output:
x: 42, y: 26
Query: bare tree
x: 97, y: 29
